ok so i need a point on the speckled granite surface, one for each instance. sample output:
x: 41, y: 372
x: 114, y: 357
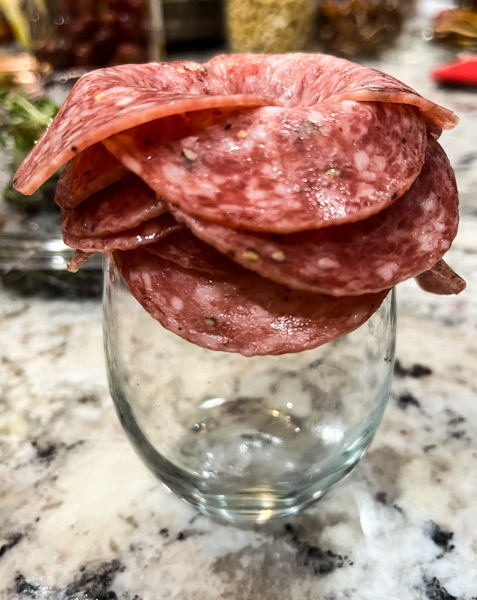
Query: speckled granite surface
x: 81, y: 517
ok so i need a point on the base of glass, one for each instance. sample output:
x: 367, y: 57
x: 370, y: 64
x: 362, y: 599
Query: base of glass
x: 259, y: 505
x: 244, y: 462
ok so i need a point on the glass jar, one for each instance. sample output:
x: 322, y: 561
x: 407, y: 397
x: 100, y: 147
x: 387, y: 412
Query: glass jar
x: 358, y: 28
x: 245, y: 439
x: 269, y: 26
x: 72, y: 34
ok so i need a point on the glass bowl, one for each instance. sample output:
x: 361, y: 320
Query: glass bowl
x: 245, y: 438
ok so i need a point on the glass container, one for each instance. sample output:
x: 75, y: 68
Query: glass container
x: 359, y: 28
x: 85, y: 34
x: 245, y: 438
x: 269, y: 26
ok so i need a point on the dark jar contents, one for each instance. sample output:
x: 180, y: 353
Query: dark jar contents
x: 90, y: 33
x: 6, y: 35
x: 351, y: 28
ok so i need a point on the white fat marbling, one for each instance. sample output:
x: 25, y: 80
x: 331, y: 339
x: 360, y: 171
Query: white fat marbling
x: 80, y: 517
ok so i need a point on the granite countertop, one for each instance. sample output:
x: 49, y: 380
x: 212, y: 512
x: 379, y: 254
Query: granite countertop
x: 81, y: 517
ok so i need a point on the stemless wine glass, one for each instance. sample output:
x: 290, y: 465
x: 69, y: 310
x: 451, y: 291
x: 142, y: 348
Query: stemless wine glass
x: 245, y: 438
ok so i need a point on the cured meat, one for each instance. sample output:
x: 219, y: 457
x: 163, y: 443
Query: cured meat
x: 321, y: 179
x: 89, y: 172
x: 241, y: 312
x: 441, y: 279
x: 107, y: 101
x: 177, y: 248
x: 146, y: 233
x: 400, y: 242
x: 123, y: 205
x: 279, y: 169
x: 79, y: 258
x: 307, y: 79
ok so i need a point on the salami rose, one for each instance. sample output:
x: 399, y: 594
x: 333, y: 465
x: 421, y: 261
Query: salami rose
x: 257, y: 204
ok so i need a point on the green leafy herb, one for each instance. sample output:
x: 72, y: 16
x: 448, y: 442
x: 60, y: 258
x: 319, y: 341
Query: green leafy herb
x: 23, y: 122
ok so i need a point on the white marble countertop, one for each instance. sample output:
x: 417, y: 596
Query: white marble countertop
x: 81, y: 517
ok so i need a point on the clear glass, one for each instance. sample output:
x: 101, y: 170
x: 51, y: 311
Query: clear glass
x: 85, y: 34
x: 245, y: 439
x: 269, y: 26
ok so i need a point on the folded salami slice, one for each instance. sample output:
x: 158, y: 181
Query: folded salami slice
x: 400, y: 242
x: 79, y: 258
x: 89, y: 172
x: 123, y: 205
x: 277, y: 169
x: 107, y: 101
x: 188, y: 253
x: 146, y: 233
x: 241, y: 312
x: 306, y: 79
x: 441, y: 279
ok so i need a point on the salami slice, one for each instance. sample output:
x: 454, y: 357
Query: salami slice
x: 177, y: 248
x: 79, y: 258
x: 146, y: 233
x: 107, y: 101
x: 89, y: 172
x: 400, y: 242
x: 241, y: 312
x: 307, y: 79
x: 441, y: 279
x: 123, y: 205
x: 111, y: 100
x: 279, y: 169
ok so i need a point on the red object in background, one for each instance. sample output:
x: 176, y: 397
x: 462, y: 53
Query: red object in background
x: 460, y: 72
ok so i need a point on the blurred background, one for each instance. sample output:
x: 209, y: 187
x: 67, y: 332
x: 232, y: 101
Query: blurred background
x: 45, y: 45
x: 62, y: 34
